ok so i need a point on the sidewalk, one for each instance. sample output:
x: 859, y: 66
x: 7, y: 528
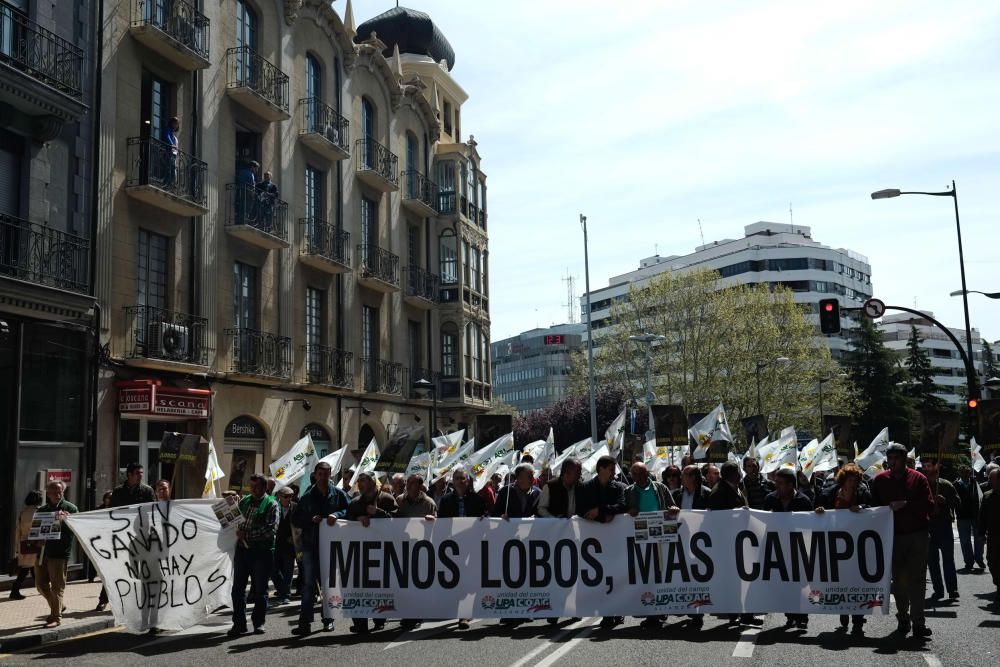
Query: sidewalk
x: 22, y: 621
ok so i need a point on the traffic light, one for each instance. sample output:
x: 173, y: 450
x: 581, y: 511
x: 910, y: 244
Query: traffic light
x: 972, y: 403
x: 829, y: 316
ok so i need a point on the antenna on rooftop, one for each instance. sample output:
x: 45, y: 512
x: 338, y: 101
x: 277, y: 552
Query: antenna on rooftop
x: 701, y: 231
x: 570, y: 297
x: 791, y: 217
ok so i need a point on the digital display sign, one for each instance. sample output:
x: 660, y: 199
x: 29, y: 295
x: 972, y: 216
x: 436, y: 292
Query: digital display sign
x: 557, y: 339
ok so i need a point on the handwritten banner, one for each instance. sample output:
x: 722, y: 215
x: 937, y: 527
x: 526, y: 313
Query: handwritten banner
x: 165, y: 565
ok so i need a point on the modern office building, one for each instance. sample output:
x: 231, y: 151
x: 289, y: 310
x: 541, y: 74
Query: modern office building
x: 531, y: 371
x: 769, y: 253
x: 253, y: 314
x: 47, y: 315
x: 949, y: 368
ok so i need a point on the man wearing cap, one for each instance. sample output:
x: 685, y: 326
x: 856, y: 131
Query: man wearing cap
x: 787, y: 498
x: 907, y: 493
x: 321, y: 502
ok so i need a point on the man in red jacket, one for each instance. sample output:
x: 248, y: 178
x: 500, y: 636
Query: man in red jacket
x: 907, y: 493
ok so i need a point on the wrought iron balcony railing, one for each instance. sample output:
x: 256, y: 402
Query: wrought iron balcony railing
x: 247, y: 69
x: 322, y: 119
x: 39, y: 53
x: 323, y: 239
x: 382, y: 377
x: 155, y: 333
x: 422, y: 283
x: 260, y: 353
x: 379, y: 263
x: 373, y: 156
x: 178, y: 19
x: 157, y: 163
x: 42, y: 255
x: 250, y: 207
x: 419, y: 187
x: 329, y: 366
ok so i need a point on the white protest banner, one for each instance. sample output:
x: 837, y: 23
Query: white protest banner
x: 615, y: 435
x: 782, y: 453
x: 294, y: 463
x: 489, y: 459
x: 367, y: 463
x: 874, y: 454
x: 735, y: 561
x: 818, y: 456
x: 165, y: 565
x: 713, y: 427
x: 459, y: 457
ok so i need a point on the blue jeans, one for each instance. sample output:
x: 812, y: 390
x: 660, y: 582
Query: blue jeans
x: 972, y: 541
x: 254, y: 565
x: 310, y: 577
x: 284, y: 563
x: 941, y: 554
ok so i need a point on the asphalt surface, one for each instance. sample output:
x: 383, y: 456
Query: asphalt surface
x: 966, y: 633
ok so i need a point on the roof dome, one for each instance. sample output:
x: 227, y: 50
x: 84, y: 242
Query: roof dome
x: 414, y: 32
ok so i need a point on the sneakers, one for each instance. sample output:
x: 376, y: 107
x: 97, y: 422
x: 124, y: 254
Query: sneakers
x: 101, y: 606
x: 327, y: 624
x: 236, y: 631
x: 902, y: 625
x: 463, y: 623
x: 302, y: 631
x: 953, y: 595
x: 921, y: 632
x: 378, y: 624
x: 258, y: 629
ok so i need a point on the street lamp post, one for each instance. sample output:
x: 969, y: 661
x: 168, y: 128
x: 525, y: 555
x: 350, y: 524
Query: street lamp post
x: 590, y: 333
x: 761, y: 365
x: 648, y: 339
x: 953, y: 193
x: 423, y: 386
x: 823, y: 381
x: 988, y: 295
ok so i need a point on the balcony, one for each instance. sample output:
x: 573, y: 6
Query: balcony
x: 166, y: 177
x: 175, y: 30
x: 256, y: 217
x: 382, y: 377
x: 324, y: 247
x: 420, y: 194
x: 258, y: 85
x: 377, y: 165
x: 42, y: 255
x: 329, y: 366
x: 421, y: 288
x: 44, y: 72
x: 324, y: 130
x: 260, y: 353
x: 157, y: 335
x: 379, y: 268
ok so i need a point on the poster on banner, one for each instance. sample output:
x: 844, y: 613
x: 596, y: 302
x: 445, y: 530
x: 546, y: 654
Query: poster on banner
x: 723, y: 562
x: 227, y: 511
x: 405, y: 443
x: 240, y: 470
x: 939, y: 433
x: 45, y: 526
x: 657, y: 527
x: 165, y: 565
x: 670, y: 425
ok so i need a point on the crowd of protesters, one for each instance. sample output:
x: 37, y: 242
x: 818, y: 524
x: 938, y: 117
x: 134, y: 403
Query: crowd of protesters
x: 278, y: 539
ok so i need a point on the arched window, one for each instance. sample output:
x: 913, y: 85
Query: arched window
x: 449, y: 351
x: 246, y: 42
x: 368, y: 133
x: 314, y: 77
x: 448, y: 251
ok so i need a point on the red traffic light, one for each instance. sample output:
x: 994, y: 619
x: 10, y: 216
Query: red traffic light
x: 972, y: 403
x: 828, y: 307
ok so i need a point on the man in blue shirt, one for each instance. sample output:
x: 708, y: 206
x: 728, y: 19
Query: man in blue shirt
x: 173, y: 144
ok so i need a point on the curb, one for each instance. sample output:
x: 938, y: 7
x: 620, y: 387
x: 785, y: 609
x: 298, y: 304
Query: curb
x: 35, y: 638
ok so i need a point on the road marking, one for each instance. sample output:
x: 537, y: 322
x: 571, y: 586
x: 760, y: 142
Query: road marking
x: 744, y: 647
x: 551, y: 658
x: 932, y: 660
x: 559, y: 636
x: 425, y: 631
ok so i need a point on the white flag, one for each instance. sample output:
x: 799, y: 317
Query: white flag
x: 615, y: 435
x: 213, y: 471
x: 580, y: 451
x: 738, y: 461
x: 754, y: 449
x: 447, y: 444
x: 590, y: 465
x: 782, y: 453
x: 336, y: 459
x: 548, y: 452
x: 818, y: 456
x: 875, y: 452
x: 500, y: 452
x: 978, y: 462
x: 367, y: 463
x: 713, y: 427
x: 460, y: 457
x: 533, y: 449
x: 294, y: 463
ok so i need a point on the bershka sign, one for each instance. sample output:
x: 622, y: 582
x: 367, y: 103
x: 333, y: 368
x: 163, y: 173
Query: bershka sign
x: 723, y: 562
x: 171, y: 401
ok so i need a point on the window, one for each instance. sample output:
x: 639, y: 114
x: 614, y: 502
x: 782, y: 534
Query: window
x: 415, y: 337
x: 315, y: 203
x: 449, y: 352
x: 469, y: 336
x: 412, y: 152
x: 367, y: 119
x: 314, y: 77
x: 473, y: 182
x: 157, y: 106
x: 369, y: 332
x: 465, y: 261
x: 246, y: 36
x: 413, y: 246
x: 315, y: 299
x: 820, y: 286
x: 447, y: 117
x: 151, y: 284
x: 244, y: 296
x: 474, y: 257
x: 369, y: 222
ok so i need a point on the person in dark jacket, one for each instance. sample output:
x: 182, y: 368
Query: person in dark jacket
x: 462, y: 501
x: 50, y: 568
x: 849, y: 492
x: 787, y: 498
x: 602, y: 499
x: 941, y: 548
x: 755, y: 486
x: 321, y: 502
x: 989, y: 527
x: 970, y: 496
x: 371, y: 503
x: 518, y: 500
x: 284, y: 547
x: 132, y: 491
x: 559, y: 496
x: 727, y: 494
x: 693, y: 495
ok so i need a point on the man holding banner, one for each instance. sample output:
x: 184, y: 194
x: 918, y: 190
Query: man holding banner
x: 254, y: 556
x: 602, y: 499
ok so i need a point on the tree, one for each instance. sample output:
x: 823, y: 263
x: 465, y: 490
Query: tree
x: 569, y: 419
x: 989, y: 361
x: 715, y: 337
x: 874, y: 377
x: 920, y: 389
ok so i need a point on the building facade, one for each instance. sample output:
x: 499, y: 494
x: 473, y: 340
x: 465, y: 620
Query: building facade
x: 531, y: 371
x: 253, y: 311
x: 949, y: 368
x: 769, y: 253
x: 47, y: 315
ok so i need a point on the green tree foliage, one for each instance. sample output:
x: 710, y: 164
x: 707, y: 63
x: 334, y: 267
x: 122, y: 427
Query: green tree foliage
x: 874, y: 377
x: 989, y: 361
x: 715, y: 337
x: 920, y: 388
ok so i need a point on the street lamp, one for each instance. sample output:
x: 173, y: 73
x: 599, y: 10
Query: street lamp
x: 761, y: 365
x: 953, y: 193
x: 988, y: 295
x: 590, y: 333
x: 648, y: 339
x: 423, y: 387
x: 823, y: 381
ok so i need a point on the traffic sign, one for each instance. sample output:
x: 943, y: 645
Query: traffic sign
x: 874, y: 308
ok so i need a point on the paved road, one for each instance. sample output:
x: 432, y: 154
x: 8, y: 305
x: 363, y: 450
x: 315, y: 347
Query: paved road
x: 964, y: 634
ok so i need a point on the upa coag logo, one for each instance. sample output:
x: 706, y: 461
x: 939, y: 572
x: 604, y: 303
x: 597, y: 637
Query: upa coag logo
x: 378, y: 604
x: 336, y: 601
x: 524, y: 603
x: 842, y: 599
x: 690, y: 600
x: 487, y: 602
x: 648, y: 599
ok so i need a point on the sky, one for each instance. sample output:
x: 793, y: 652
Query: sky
x: 648, y: 116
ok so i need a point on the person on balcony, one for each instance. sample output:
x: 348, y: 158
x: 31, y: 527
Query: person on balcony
x: 267, y: 196
x: 246, y: 190
x: 170, y: 138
